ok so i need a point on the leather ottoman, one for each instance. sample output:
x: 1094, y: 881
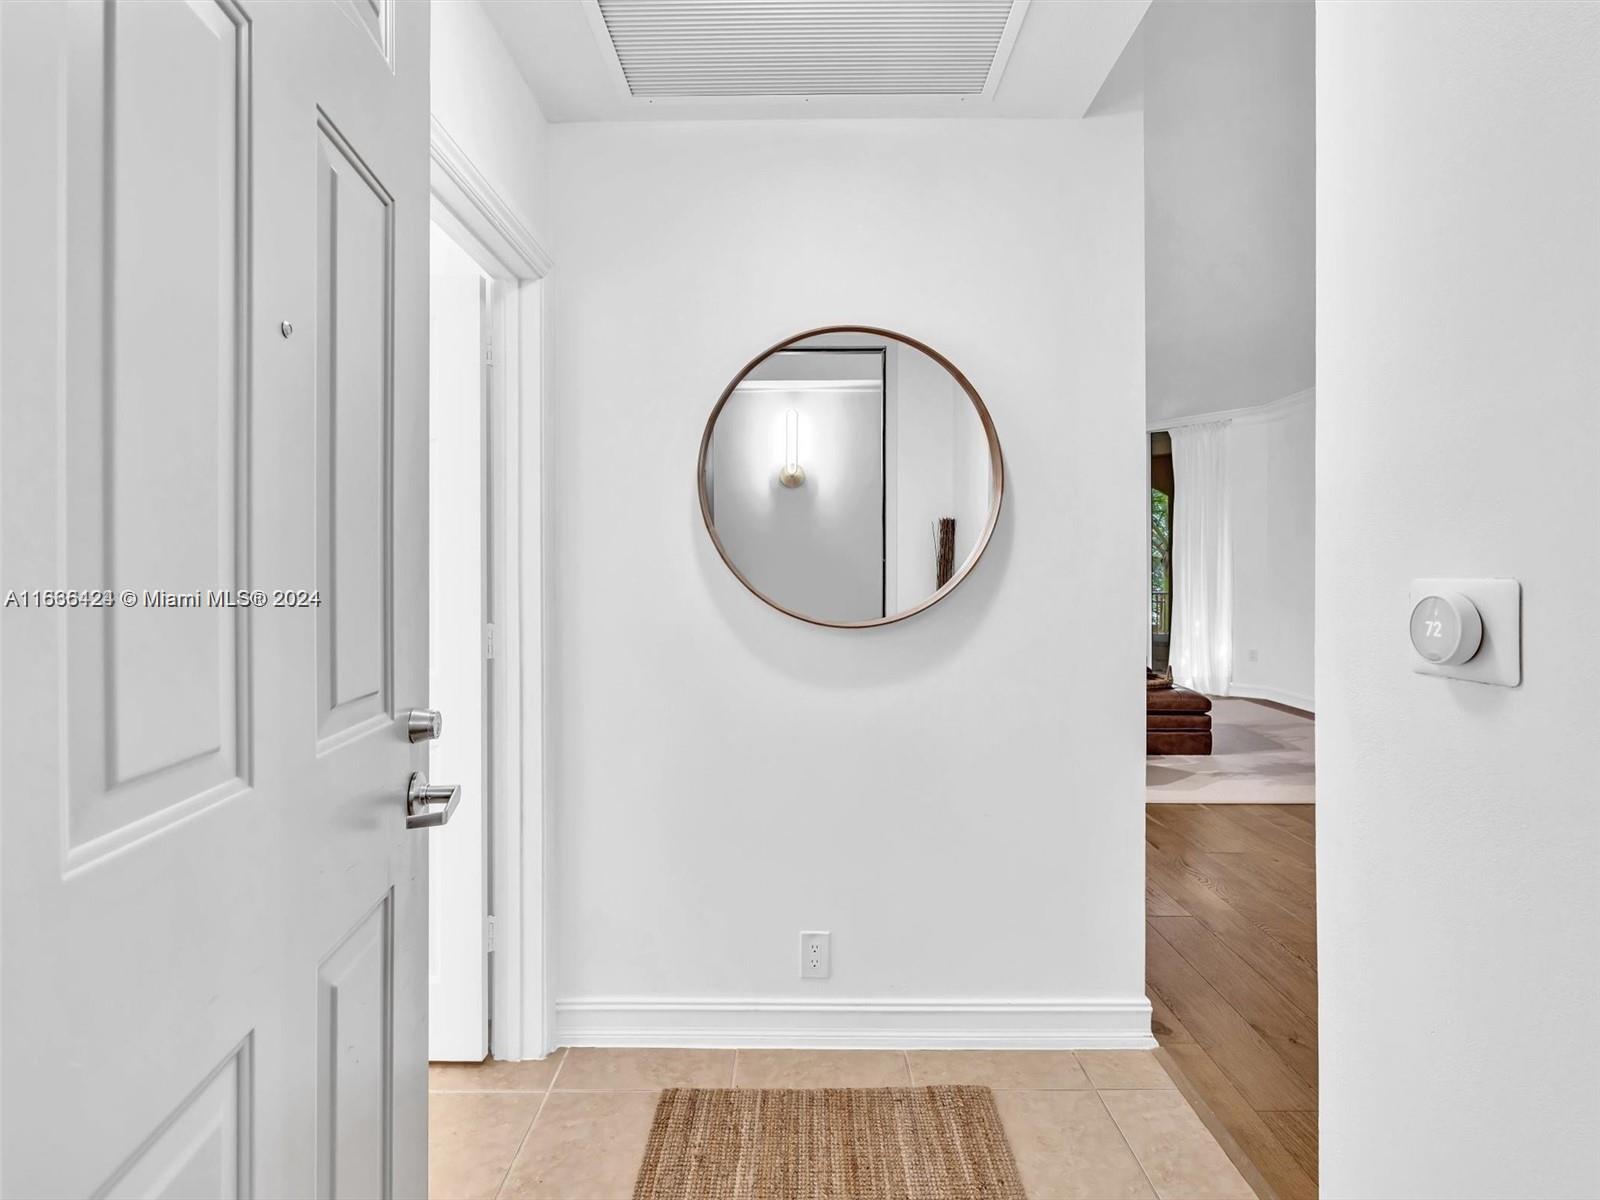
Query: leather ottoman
x: 1177, y: 721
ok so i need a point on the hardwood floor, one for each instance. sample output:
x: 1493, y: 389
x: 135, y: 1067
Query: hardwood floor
x: 1231, y: 970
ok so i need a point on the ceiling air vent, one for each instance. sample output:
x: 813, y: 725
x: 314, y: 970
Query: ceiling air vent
x: 688, y: 49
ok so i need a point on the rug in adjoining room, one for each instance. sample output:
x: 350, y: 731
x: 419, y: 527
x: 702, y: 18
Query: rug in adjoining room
x: 930, y: 1143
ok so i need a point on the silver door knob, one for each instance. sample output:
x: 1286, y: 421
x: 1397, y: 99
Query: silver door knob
x: 424, y: 724
x: 421, y: 798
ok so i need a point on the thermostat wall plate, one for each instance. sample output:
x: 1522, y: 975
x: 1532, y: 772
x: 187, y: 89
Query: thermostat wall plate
x: 1467, y: 629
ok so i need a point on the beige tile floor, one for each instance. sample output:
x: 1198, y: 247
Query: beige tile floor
x: 1085, y: 1125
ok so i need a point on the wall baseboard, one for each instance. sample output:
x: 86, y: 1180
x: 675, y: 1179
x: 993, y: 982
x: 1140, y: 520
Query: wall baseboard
x: 1247, y: 691
x: 856, y: 1024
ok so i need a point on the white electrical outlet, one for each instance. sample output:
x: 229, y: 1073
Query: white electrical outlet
x: 816, y: 954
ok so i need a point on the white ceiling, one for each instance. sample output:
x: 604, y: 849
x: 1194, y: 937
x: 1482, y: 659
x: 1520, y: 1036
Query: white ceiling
x: 1062, y: 52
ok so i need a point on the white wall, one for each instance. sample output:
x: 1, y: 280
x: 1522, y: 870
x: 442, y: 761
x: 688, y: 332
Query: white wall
x: 1458, y: 428
x: 1229, y: 204
x: 483, y: 102
x: 1272, y: 510
x: 958, y: 797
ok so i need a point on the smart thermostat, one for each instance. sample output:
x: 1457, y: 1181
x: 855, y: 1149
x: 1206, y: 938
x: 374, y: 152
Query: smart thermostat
x: 1467, y: 629
x: 1446, y: 628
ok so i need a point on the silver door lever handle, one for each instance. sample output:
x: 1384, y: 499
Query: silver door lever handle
x: 421, y: 796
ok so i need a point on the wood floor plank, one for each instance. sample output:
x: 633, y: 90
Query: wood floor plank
x: 1277, y: 1163
x: 1203, y: 828
x: 1271, y: 877
x: 1272, y: 838
x: 1293, y: 871
x: 1158, y: 904
x: 1297, y: 818
x: 1202, y: 835
x: 1252, y: 886
x: 1183, y: 872
x: 1290, y: 965
x: 1298, y: 1131
x: 1164, y: 1026
x: 1288, y: 1030
x: 1244, y: 1055
x: 1233, y: 980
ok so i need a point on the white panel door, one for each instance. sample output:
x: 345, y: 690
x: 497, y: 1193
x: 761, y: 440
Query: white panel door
x: 213, y: 354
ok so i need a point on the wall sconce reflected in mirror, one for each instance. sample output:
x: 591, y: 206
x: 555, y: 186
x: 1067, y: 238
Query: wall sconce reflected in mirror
x: 792, y: 474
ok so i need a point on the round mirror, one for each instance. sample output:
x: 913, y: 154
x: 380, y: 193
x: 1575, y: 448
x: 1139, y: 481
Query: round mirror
x: 850, y: 476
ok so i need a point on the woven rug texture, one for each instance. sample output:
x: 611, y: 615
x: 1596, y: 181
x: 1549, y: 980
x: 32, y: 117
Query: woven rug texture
x: 931, y: 1143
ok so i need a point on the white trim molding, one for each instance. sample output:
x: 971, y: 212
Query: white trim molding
x: 806, y: 1024
x: 472, y: 200
x: 1253, y: 412
x: 466, y: 205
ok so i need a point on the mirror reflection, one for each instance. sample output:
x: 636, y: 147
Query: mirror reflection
x: 850, y: 477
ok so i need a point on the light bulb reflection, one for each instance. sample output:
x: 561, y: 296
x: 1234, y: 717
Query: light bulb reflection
x: 792, y: 474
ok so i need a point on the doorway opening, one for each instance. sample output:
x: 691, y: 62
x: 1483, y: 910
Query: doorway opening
x: 461, y: 300
x: 1230, y: 823
x: 488, y: 976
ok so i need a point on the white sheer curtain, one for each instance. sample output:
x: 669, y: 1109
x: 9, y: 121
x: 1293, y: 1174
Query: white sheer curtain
x: 1202, y: 559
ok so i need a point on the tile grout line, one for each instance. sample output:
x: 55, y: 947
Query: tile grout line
x: 528, y: 1132
x: 1139, y: 1162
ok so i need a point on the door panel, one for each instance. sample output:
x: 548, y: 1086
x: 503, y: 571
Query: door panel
x: 174, y: 368
x: 203, y: 1149
x: 155, y: 695
x: 355, y: 243
x: 213, y: 355
x: 355, y: 985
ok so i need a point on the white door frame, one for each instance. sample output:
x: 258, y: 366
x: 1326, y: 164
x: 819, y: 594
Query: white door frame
x: 466, y: 205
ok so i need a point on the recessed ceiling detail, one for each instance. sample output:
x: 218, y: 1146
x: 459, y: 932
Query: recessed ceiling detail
x: 701, y: 49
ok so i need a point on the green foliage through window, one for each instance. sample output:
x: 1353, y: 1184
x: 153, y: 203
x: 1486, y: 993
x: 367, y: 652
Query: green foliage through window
x: 1160, y: 560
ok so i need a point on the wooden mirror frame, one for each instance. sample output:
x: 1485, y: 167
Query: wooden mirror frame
x: 997, y: 474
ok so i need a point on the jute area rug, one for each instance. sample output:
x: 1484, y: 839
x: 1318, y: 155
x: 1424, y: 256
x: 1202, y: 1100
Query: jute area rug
x: 932, y: 1143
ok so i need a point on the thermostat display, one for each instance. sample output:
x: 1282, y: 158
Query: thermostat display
x: 1446, y: 628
